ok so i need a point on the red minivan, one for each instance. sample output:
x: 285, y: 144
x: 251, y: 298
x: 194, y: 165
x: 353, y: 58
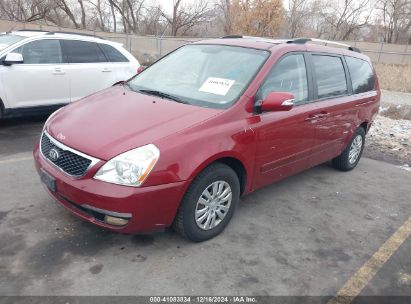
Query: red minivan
x: 178, y: 144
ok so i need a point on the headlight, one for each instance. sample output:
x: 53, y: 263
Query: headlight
x: 130, y: 168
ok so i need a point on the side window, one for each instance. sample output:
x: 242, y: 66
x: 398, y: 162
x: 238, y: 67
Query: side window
x: 289, y: 75
x: 330, y: 75
x: 112, y: 54
x: 83, y: 51
x: 361, y: 73
x: 41, y: 52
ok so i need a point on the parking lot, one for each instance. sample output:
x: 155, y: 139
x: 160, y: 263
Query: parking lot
x: 306, y: 235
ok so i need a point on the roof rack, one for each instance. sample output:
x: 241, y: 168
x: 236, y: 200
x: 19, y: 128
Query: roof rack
x: 31, y: 30
x: 232, y: 37
x: 74, y: 33
x: 326, y: 42
x: 299, y: 41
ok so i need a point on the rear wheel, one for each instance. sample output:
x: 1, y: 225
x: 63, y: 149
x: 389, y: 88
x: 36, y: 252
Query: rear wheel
x: 208, y: 204
x: 350, y: 157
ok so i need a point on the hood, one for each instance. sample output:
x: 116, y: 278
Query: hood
x: 116, y: 120
x: 3, y: 46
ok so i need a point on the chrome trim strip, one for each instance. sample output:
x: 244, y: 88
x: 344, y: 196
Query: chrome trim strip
x: 106, y: 212
x: 66, y: 148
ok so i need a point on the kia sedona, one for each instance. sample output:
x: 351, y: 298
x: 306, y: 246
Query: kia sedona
x: 42, y: 71
x: 206, y: 124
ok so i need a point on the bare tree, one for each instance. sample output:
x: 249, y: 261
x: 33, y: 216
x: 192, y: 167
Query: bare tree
x: 185, y: 17
x: 396, y: 17
x: 27, y: 11
x: 298, y: 11
x: 346, y: 16
x: 224, y: 7
x: 130, y: 12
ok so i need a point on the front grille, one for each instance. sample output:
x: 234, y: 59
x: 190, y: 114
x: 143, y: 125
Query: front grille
x: 68, y: 161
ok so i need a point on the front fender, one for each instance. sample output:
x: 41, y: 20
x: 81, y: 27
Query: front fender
x: 184, y: 155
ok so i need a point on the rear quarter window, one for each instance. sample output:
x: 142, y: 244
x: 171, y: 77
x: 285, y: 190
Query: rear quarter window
x: 330, y: 75
x: 361, y: 74
x: 112, y: 54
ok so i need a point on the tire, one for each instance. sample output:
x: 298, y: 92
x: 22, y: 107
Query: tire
x: 189, y: 221
x: 1, y: 109
x: 345, y: 161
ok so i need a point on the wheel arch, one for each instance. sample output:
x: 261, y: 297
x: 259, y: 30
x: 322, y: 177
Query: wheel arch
x: 365, y: 126
x: 232, y: 161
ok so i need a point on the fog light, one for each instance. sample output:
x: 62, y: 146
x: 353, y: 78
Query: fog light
x: 116, y: 221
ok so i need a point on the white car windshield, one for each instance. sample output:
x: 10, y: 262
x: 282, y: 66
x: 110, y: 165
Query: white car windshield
x: 204, y: 75
x: 7, y: 40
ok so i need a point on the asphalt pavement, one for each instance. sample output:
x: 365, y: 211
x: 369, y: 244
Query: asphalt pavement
x: 306, y: 235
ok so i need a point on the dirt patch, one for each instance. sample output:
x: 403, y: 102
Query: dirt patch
x: 389, y: 140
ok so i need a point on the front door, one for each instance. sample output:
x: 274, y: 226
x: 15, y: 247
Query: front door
x: 284, y: 139
x: 40, y: 80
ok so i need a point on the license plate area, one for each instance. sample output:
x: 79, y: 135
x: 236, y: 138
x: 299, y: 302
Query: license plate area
x: 48, y: 180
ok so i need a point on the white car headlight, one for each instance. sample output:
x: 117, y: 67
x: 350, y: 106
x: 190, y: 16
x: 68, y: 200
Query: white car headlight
x: 130, y: 168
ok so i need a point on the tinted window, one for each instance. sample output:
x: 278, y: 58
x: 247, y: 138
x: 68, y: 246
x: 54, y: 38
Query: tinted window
x: 289, y: 75
x: 83, y: 52
x: 361, y: 74
x: 330, y: 75
x: 112, y: 54
x: 41, y: 52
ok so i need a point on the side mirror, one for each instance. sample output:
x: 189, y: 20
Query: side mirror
x: 277, y: 101
x: 13, y: 58
x: 141, y: 68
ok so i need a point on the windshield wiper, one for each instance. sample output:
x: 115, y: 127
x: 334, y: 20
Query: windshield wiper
x: 163, y: 95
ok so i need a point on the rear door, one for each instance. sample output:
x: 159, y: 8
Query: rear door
x: 88, y: 68
x: 121, y: 67
x: 285, y: 139
x: 335, y: 109
x: 41, y: 80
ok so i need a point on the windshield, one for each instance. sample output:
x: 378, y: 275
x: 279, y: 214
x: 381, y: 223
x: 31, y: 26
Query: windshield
x: 205, y: 75
x: 6, y: 40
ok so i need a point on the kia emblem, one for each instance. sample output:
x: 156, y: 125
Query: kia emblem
x: 61, y: 136
x: 54, y: 154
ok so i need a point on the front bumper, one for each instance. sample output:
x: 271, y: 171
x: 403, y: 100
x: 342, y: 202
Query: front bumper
x: 148, y: 208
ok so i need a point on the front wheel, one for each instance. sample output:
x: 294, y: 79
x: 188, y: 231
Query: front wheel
x: 208, y: 204
x: 350, y: 157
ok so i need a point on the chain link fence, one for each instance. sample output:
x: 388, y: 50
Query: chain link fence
x: 149, y: 48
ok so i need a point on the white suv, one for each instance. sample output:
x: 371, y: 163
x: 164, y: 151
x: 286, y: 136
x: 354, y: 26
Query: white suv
x: 41, y: 71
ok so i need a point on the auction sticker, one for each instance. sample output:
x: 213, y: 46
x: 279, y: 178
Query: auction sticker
x: 218, y: 86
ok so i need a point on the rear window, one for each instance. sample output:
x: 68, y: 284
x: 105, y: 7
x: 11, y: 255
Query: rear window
x: 83, y: 51
x: 330, y: 75
x: 112, y: 54
x: 361, y: 74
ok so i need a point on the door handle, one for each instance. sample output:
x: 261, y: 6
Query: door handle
x: 312, y: 117
x: 105, y: 70
x: 58, y: 71
x: 323, y: 114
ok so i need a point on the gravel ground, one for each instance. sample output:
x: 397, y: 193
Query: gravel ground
x: 389, y: 138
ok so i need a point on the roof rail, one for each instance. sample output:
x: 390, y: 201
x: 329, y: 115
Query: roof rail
x: 232, y: 37
x: 74, y: 33
x: 31, y: 30
x: 326, y: 42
